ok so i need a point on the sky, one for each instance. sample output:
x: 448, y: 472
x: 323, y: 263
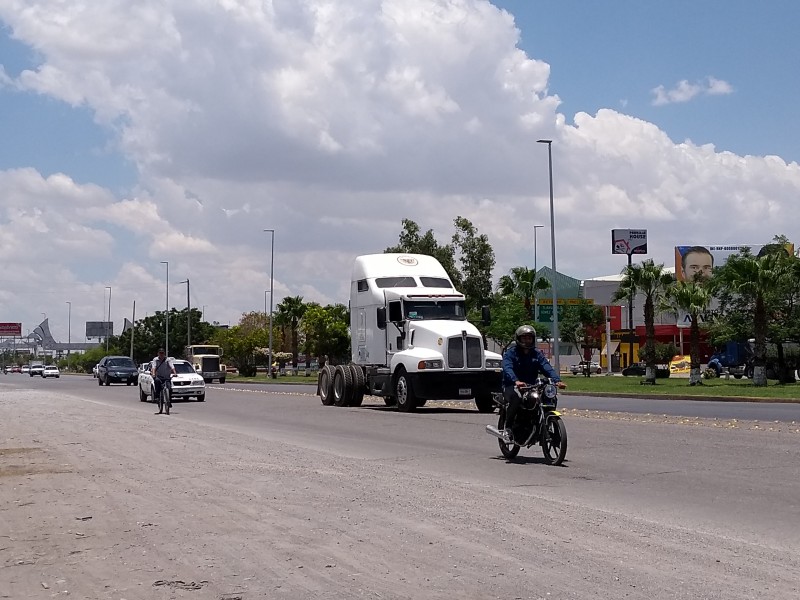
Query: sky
x: 177, y: 131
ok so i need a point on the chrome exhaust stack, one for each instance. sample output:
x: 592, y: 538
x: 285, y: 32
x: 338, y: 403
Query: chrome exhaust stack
x: 492, y: 430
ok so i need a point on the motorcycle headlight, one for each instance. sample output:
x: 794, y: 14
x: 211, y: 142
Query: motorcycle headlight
x: 493, y: 363
x: 549, y: 391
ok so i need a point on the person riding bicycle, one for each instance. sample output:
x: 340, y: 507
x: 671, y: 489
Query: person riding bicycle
x: 161, y: 369
x: 522, y: 364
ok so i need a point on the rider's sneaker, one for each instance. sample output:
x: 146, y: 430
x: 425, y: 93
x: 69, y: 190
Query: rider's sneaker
x: 508, y: 437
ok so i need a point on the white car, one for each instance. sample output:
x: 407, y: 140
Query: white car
x: 51, y: 371
x: 186, y: 384
x: 26, y: 368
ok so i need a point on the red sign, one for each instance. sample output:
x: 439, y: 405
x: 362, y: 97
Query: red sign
x: 10, y: 329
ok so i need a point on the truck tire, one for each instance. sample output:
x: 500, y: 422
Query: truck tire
x: 343, y: 387
x: 359, y: 381
x: 404, y: 392
x: 325, y: 385
x: 485, y: 403
x: 222, y: 380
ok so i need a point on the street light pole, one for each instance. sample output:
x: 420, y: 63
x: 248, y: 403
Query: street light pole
x: 556, y: 345
x: 69, y: 333
x: 166, y: 314
x: 188, y: 315
x: 535, y: 272
x: 108, y: 287
x: 271, y: 295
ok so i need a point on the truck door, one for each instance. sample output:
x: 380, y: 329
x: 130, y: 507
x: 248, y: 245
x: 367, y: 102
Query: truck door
x: 395, y: 329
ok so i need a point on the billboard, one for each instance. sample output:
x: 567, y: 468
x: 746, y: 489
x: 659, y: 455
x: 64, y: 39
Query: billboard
x: 701, y: 260
x: 629, y: 241
x: 97, y: 329
x: 691, y: 261
x: 11, y: 329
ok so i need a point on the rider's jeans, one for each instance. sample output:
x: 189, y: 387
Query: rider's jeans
x: 513, y: 402
x: 157, y: 384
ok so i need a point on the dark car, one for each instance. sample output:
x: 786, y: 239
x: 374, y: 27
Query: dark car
x: 639, y: 370
x: 117, y: 369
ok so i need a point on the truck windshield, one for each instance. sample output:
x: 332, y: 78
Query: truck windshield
x: 198, y: 350
x: 433, y: 309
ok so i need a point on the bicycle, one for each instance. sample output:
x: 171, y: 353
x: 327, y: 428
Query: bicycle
x: 164, y: 402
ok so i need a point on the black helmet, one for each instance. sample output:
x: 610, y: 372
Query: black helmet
x: 525, y: 330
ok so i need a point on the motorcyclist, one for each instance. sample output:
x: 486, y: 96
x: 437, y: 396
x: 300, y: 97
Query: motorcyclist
x: 522, y: 364
x: 161, y: 369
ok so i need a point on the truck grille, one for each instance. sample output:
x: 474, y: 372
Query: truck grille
x: 210, y: 364
x: 458, y: 347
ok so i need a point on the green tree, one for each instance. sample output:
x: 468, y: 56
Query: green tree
x: 523, y: 283
x: 291, y: 310
x: 327, y: 332
x: 694, y: 298
x: 244, y: 344
x: 581, y: 326
x: 477, y: 262
x: 652, y: 281
x: 508, y: 313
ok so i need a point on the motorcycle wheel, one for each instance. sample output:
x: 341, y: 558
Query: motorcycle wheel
x: 554, y: 442
x: 508, y: 450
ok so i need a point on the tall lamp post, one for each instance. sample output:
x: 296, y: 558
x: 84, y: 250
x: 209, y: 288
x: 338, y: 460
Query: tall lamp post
x: 188, y: 314
x: 108, y: 287
x: 69, y: 333
x: 271, y: 264
x: 166, y: 314
x: 535, y: 271
x: 556, y: 345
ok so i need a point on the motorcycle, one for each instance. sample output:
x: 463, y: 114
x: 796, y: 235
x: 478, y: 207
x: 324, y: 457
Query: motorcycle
x: 537, y: 422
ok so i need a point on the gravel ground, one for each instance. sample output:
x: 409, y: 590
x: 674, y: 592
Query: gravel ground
x: 102, y: 503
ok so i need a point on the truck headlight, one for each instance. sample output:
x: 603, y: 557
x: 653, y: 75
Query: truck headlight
x: 430, y: 364
x: 493, y: 363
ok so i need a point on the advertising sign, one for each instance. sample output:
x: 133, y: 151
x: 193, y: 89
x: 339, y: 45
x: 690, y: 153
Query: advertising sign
x: 691, y: 261
x: 629, y: 241
x: 10, y: 329
x: 97, y: 329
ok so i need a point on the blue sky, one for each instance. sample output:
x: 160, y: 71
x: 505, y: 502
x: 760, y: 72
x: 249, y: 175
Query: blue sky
x: 136, y: 133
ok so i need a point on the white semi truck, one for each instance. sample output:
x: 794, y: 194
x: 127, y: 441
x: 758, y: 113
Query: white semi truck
x: 410, y: 339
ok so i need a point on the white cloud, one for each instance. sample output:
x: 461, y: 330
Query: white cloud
x: 685, y: 91
x: 331, y: 126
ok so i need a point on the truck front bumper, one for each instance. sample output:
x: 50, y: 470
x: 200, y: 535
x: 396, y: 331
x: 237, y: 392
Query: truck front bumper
x: 455, y: 385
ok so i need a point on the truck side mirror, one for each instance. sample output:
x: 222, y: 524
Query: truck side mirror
x: 381, y: 317
x: 486, y: 315
x: 395, y: 312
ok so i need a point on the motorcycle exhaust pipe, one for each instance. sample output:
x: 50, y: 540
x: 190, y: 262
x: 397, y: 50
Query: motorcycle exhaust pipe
x: 492, y: 430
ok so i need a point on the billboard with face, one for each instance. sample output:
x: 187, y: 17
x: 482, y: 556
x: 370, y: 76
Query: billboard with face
x: 691, y: 261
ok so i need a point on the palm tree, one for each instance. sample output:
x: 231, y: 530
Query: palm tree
x: 652, y: 281
x: 754, y: 278
x: 523, y: 283
x: 694, y: 298
x: 292, y: 309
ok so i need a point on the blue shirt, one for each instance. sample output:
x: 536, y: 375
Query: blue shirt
x: 519, y: 366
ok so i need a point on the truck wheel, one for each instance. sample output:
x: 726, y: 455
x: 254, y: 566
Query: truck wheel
x: 325, y: 385
x: 222, y: 380
x: 406, y: 401
x: 484, y: 403
x: 359, y: 381
x: 343, y: 387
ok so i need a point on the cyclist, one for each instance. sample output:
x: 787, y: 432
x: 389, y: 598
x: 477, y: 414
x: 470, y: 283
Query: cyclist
x: 161, y: 369
x: 522, y: 364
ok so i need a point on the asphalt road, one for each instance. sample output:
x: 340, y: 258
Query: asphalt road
x: 723, y: 476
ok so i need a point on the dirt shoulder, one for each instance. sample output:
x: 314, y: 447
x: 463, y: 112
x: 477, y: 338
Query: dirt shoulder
x: 102, y: 503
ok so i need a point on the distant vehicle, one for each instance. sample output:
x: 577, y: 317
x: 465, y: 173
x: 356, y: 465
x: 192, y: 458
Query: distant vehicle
x: 36, y: 368
x: 594, y: 367
x: 205, y: 359
x: 640, y: 369
x: 16, y: 369
x: 186, y: 384
x: 116, y: 369
x: 51, y: 371
x: 26, y: 369
x: 94, y: 371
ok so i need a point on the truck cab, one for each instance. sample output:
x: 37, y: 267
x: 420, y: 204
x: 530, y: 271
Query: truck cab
x: 410, y: 337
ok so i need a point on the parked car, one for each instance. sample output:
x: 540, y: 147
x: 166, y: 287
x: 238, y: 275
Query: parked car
x: 639, y: 370
x: 51, y: 371
x: 186, y: 384
x: 116, y: 369
x: 594, y: 367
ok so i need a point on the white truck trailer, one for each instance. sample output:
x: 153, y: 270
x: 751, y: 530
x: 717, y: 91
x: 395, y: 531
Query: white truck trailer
x: 410, y: 339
